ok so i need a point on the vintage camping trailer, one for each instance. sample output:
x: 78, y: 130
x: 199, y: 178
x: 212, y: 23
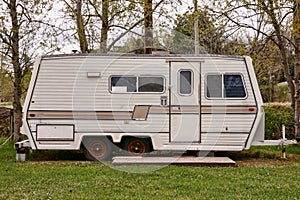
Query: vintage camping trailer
x: 143, y: 103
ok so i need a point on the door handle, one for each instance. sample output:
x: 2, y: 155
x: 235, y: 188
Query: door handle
x: 163, y: 101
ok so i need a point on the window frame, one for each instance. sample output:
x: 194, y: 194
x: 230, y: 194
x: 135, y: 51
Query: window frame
x: 205, y: 85
x: 192, y: 82
x: 137, y: 84
x: 150, y: 76
x: 118, y: 76
x: 223, y: 86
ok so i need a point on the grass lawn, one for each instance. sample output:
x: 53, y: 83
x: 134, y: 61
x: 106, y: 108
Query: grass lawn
x: 254, y: 178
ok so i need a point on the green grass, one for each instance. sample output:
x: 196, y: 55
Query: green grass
x: 267, y: 152
x: 68, y: 179
x: 7, y: 104
x: 290, y: 149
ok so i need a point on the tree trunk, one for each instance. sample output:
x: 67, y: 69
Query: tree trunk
x: 148, y: 24
x: 80, y: 28
x: 296, y: 32
x: 270, y: 10
x: 17, y: 70
x: 104, y: 29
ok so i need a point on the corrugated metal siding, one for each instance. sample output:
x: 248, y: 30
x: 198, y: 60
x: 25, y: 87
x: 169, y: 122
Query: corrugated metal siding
x: 155, y: 123
x: 227, y: 123
x: 63, y: 84
x: 216, y: 139
x: 226, y: 129
x: 222, y: 66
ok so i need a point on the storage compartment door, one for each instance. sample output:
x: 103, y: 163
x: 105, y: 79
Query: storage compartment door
x: 58, y: 132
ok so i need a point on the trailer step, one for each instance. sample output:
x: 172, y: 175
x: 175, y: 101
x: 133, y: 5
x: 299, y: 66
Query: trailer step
x: 187, y: 160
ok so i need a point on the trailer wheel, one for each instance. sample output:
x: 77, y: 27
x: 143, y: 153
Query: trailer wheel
x: 137, y: 146
x: 97, y: 148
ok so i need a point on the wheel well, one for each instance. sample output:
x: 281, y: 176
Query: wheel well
x: 97, y: 147
x: 91, y: 137
x: 147, y: 138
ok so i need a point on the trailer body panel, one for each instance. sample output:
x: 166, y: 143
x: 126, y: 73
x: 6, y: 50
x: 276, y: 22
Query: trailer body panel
x: 202, y: 102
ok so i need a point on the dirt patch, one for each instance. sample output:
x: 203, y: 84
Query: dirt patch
x: 267, y: 163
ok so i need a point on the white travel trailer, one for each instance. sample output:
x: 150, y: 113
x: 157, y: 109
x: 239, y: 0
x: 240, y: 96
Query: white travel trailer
x: 143, y: 103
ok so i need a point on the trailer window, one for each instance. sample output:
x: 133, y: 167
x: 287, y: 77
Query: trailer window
x: 120, y: 84
x: 136, y: 84
x: 233, y: 86
x: 150, y: 84
x: 185, y: 82
x: 225, y: 86
x: 214, y: 86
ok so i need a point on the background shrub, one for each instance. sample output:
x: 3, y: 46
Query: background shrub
x: 4, y: 122
x: 4, y: 127
x: 278, y: 114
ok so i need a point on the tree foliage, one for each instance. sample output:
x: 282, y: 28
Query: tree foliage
x: 269, y: 21
x: 214, y: 37
x: 211, y: 36
x: 6, y: 86
x: 23, y: 34
x: 105, y: 23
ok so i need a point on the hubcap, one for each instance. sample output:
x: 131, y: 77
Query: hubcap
x: 136, y: 147
x: 98, y: 149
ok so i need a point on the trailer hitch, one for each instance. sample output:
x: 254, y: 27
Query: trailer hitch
x: 284, y: 142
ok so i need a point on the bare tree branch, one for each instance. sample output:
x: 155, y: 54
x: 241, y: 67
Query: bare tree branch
x: 96, y: 10
x: 246, y: 26
x: 133, y: 26
x: 124, y: 33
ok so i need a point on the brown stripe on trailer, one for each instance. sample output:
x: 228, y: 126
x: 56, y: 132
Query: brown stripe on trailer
x: 108, y: 115
x: 126, y: 115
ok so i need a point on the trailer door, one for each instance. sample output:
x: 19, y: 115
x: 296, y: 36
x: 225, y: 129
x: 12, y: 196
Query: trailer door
x: 185, y: 102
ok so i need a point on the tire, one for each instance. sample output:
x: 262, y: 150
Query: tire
x: 137, y: 146
x: 97, y: 148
